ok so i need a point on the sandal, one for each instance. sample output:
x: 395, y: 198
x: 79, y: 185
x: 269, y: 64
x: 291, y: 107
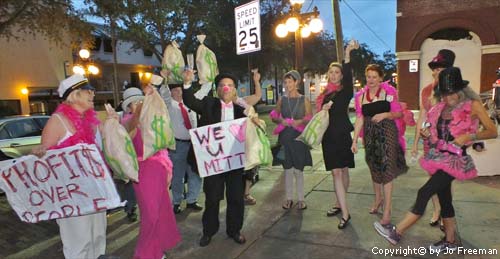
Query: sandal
x: 333, y: 211
x: 301, y: 205
x: 375, y: 210
x: 287, y: 204
x: 344, y: 222
x: 249, y: 200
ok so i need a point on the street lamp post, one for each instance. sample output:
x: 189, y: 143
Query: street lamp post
x: 302, y: 25
x: 86, y: 67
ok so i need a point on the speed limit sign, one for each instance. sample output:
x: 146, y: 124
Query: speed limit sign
x: 247, y: 22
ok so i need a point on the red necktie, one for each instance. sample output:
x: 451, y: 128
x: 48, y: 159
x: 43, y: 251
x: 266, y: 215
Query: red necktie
x: 185, y: 116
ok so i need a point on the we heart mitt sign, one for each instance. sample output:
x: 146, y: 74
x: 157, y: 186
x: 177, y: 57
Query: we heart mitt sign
x: 219, y: 147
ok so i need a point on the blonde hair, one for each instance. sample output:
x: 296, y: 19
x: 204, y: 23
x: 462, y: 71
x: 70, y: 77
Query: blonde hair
x: 469, y: 94
x: 73, y: 96
x: 337, y: 65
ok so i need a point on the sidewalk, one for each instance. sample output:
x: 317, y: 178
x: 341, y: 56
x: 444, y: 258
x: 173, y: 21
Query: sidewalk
x: 272, y: 232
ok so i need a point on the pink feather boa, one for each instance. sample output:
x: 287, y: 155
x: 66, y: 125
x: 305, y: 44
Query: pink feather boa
x: 330, y: 88
x: 458, y: 166
x: 395, y: 107
x: 462, y: 122
x: 85, y: 126
x: 280, y: 127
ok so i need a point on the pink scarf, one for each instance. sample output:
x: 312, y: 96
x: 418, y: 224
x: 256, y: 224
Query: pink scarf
x: 330, y: 88
x: 85, y: 126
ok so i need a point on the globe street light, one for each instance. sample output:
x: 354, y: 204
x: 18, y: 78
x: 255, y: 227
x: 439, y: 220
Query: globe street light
x: 86, y: 67
x: 84, y: 53
x: 302, y: 25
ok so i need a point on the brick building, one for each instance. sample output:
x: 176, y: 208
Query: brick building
x: 470, y: 28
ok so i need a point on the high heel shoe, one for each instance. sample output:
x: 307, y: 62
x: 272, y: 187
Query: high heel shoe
x: 435, y: 223
x: 375, y: 210
x: 344, y: 222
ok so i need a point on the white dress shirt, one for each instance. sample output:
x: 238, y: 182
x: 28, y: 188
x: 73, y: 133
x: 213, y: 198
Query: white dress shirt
x: 227, y: 113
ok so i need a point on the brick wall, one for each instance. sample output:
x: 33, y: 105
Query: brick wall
x: 419, y: 19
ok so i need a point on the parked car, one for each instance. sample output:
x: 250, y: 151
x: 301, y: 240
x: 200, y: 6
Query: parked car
x: 19, y: 134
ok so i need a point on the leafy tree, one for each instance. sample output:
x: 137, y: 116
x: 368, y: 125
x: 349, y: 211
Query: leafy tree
x: 147, y: 23
x: 53, y: 19
x: 110, y: 11
x: 319, y: 52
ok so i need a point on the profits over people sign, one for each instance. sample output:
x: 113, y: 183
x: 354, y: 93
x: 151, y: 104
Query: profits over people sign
x: 67, y: 182
x: 247, y: 22
x: 219, y: 147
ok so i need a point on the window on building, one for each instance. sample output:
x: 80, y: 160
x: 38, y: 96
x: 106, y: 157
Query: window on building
x: 97, y: 43
x: 147, y: 52
x: 135, y: 80
x: 451, y: 34
x: 10, y: 107
x: 107, y: 45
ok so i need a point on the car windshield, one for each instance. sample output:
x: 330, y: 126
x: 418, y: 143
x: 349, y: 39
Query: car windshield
x: 22, y: 128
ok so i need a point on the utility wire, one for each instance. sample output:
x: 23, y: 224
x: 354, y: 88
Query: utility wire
x: 367, y: 26
x: 310, y: 5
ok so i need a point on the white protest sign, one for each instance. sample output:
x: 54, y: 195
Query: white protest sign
x: 66, y: 182
x: 219, y: 147
x: 247, y: 22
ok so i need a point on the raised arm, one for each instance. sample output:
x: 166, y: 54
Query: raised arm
x: 165, y: 93
x: 204, y: 90
x: 347, y: 83
x: 253, y: 99
x: 188, y: 95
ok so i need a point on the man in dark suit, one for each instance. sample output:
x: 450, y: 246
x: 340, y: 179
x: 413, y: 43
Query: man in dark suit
x: 214, y: 110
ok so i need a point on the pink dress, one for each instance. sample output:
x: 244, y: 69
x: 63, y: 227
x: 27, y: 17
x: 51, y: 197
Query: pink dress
x: 158, y: 229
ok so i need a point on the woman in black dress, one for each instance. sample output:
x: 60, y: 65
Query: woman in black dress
x: 337, y: 140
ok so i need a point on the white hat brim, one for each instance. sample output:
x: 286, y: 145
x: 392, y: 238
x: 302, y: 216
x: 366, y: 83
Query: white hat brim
x: 130, y: 100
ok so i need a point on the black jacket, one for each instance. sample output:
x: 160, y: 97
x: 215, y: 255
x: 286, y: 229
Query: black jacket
x: 209, y: 108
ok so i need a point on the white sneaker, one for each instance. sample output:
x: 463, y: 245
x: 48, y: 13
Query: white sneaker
x: 388, y: 231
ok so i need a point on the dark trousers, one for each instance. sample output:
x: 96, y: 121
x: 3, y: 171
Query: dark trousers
x: 129, y: 196
x: 213, y: 186
x: 440, y: 184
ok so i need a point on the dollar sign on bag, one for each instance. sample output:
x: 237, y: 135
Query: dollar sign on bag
x: 263, y: 154
x: 129, y: 148
x: 176, y: 73
x: 310, y: 132
x: 213, y: 66
x: 113, y: 162
x: 160, y: 138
